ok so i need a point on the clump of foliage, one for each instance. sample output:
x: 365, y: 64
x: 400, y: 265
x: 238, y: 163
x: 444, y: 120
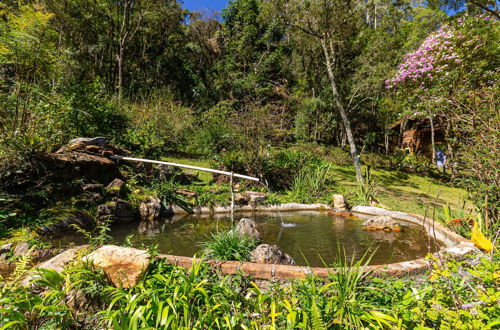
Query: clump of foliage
x: 229, y: 245
x: 283, y: 167
x: 310, y: 184
x: 156, y: 126
x: 366, y: 191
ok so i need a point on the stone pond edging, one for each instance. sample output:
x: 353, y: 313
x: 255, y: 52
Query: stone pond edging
x: 455, y: 245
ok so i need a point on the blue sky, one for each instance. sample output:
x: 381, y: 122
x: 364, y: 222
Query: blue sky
x: 212, y: 5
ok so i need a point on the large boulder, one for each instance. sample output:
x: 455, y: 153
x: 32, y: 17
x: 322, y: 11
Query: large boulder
x: 69, y: 165
x: 96, y: 145
x: 122, y: 265
x: 270, y: 254
x: 381, y: 222
x: 57, y: 263
x: 248, y: 227
x: 79, y: 218
x: 150, y: 209
x: 116, y: 211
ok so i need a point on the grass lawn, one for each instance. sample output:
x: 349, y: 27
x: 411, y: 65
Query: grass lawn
x: 397, y: 190
x: 409, y: 192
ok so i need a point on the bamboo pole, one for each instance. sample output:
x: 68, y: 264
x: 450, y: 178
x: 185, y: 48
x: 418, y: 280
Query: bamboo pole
x: 142, y: 160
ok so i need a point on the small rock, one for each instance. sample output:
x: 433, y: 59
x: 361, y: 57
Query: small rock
x: 116, y: 211
x: 240, y: 199
x: 116, y: 188
x: 339, y: 202
x: 21, y: 249
x: 6, y: 248
x: 150, y: 209
x: 122, y: 265
x: 5, y: 251
x: 381, y: 223
x: 247, y: 227
x: 255, y: 197
x: 93, y: 188
x: 270, y: 254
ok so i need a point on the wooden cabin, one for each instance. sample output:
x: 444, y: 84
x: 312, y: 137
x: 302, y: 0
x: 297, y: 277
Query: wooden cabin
x: 414, y: 134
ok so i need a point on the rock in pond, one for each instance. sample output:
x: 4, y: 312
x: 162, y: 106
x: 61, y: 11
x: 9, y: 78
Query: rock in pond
x: 247, y: 227
x: 270, y: 254
x: 122, y: 265
x: 150, y: 209
x: 116, y: 211
x: 382, y: 222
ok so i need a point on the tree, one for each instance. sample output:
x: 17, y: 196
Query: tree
x: 334, y: 26
x: 454, y: 74
x: 488, y: 6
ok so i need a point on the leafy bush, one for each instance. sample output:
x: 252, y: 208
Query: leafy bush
x: 93, y: 113
x: 155, y: 127
x: 229, y: 245
x: 215, y: 132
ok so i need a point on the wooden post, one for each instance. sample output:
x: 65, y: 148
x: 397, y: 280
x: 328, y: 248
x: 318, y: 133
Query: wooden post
x: 232, y: 196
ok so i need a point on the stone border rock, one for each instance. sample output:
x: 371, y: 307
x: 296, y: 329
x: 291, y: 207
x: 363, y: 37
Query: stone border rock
x: 455, y: 245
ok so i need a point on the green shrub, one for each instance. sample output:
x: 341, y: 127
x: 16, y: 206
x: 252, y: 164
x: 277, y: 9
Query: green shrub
x: 93, y: 113
x: 215, y: 133
x: 158, y: 125
x: 229, y: 245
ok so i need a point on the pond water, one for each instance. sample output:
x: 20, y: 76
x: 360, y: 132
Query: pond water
x: 313, y: 241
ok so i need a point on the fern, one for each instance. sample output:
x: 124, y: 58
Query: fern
x: 22, y: 266
x: 316, y: 320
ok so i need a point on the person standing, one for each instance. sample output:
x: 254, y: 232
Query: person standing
x: 441, y: 160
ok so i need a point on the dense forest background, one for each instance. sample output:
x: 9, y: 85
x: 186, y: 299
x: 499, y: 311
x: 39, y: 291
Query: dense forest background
x: 156, y: 78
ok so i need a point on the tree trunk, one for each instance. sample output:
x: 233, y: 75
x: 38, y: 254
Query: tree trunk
x: 119, y: 58
x: 342, y: 111
x: 386, y: 140
x: 433, y: 145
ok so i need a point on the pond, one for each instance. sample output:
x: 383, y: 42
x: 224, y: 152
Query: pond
x: 312, y: 241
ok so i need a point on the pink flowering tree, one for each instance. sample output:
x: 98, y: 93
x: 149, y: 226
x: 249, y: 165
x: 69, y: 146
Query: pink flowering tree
x: 454, y: 75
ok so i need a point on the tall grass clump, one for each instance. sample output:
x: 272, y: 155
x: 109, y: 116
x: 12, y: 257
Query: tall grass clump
x: 310, y: 183
x: 229, y: 245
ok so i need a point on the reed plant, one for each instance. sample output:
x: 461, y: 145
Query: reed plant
x: 229, y: 245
